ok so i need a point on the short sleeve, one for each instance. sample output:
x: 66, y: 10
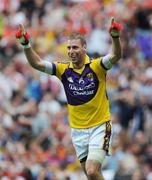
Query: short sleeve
x: 97, y: 68
x: 60, y: 68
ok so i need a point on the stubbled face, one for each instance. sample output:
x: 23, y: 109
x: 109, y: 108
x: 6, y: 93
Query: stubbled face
x: 76, y: 51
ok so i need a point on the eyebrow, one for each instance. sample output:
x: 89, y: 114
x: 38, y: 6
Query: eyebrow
x: 74, y: 46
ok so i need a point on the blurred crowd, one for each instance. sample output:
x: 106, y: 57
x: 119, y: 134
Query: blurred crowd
x: 35, y: 142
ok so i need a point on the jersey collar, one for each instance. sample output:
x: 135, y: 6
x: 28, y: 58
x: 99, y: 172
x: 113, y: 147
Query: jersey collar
x: 86, y: 61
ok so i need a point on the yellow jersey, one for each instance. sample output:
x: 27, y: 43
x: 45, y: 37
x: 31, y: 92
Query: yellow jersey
x: 85, y: 90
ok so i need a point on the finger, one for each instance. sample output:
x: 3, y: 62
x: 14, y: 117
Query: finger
x: 112, y: 20
x: 22, y: 29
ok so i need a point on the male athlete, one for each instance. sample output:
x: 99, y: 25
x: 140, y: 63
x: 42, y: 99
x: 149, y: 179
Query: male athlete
x: 84, y: 81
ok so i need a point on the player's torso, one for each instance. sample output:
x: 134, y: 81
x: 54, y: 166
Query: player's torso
x: 80, y: 88
x: 86, y: 94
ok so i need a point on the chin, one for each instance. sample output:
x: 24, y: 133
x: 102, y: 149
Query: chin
x: 74, y: 60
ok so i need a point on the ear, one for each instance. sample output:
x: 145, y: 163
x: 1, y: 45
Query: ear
x: 85, y: 47
x: 84, y: 50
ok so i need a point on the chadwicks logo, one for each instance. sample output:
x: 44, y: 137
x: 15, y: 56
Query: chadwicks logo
x: 85, y: 90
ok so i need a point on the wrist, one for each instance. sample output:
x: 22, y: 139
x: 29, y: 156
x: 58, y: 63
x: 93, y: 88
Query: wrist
x: 115, y: 37
x: 26, y: 46
x: 114, y: 33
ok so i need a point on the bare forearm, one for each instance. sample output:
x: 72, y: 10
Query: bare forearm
x: 34, y: 59
x: 116, y: 50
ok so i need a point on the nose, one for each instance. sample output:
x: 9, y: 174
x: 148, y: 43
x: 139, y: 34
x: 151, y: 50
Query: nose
x: 71, y: 50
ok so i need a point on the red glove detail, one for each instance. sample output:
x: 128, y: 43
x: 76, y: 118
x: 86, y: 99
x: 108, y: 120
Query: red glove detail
x: 23, y: 38
x: 18, y: 34
x: 116, y: 26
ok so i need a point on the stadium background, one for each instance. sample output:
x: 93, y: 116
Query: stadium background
x: 35, y: 138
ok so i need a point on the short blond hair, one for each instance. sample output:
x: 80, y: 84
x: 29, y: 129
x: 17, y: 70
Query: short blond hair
x: 76, y: 35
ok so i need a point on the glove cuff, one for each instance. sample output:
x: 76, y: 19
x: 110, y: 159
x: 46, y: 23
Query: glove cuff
x: 26, y: 46
x: 114, y: 33
x: 115, y: 37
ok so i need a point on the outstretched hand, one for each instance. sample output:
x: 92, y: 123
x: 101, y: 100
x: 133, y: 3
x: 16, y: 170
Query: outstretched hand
x: 22, y: 35
x: 115, y: 28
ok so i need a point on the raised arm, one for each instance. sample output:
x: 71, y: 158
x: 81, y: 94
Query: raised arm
x: 116, y: 47
x: 33, y: 58
x: 110, y: 59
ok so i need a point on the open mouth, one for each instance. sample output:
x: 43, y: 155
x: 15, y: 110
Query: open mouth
x: 73, y: 57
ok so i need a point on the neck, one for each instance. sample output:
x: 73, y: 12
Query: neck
x: 78, y: 65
